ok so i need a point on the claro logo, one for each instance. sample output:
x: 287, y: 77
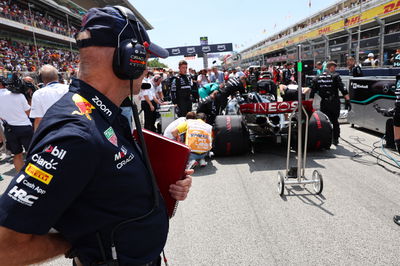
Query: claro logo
x: 102, y: 106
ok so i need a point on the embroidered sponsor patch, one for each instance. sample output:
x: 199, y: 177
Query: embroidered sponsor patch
x: 38, y: 174
x: 84, y: 107
x: 110, y: 135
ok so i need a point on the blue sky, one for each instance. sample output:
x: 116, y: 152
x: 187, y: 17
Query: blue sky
x: 242, y: 22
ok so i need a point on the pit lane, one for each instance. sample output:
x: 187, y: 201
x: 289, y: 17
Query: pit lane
x: 234, y: 215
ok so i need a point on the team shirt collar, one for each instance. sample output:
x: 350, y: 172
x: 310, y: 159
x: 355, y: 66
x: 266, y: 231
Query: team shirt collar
x: 101, y: 103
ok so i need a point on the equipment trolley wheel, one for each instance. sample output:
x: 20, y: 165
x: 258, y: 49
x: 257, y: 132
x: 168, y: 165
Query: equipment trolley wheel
x: 319, y: 182
x: 281, y: 183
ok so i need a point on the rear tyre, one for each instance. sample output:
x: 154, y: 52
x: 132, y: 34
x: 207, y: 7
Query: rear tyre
x: 319, y: 132
x: 231, y: 136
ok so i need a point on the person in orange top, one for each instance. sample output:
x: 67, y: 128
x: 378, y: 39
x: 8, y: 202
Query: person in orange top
x: 198, y: 137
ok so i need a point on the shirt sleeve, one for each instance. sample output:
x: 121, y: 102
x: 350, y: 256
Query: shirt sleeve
x: 173, y: 91
x: 55, y: 174
x: 146, y: 92
x: 24, y: 102
x: 340, y: 85
x: 37, y: 109
x: 314, y: 87
x: 212, y: 78
x: 182, y: 127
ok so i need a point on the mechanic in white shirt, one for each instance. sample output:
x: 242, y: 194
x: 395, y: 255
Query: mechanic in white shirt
x: 175, y: 123
x: 156, y: 87
x: 18, y: 131
x: 45, y: 97
x: 149, y: 105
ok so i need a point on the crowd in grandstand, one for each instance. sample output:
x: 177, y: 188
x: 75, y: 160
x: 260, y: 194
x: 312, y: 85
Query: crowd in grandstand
x: 12, y: 11
x: 305, y: 24
x: 19, y: 56
x: 340, y: 9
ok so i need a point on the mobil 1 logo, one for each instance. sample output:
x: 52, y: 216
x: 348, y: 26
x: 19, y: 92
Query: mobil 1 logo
x: 56, y: 151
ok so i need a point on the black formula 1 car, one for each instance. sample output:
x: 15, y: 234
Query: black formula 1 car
x: 254, y: 115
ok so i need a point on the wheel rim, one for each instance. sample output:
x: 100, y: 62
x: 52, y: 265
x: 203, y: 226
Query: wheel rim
x: 279, y: 183
x: 316, y: 177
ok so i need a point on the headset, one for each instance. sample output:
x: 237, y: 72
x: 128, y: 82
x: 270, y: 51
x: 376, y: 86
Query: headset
x: 129, y: 61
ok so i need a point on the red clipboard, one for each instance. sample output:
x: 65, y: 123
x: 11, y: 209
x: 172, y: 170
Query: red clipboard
x: 169, y: 159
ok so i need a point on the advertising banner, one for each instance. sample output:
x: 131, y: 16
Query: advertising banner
x: 381, y: 11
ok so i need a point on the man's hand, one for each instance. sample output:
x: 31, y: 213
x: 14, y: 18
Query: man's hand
x: 213, y: 94
x: 175, y: 134
x: 347, y: 105
x: 152, y: 108
x: 180, y: 189
x: 397, y: 142
x: 23, y: 249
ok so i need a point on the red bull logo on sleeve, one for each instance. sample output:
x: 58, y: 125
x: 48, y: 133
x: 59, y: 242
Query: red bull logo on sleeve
x: 84, y: 107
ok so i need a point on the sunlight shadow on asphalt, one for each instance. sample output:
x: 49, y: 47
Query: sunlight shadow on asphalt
x: 307, y: 197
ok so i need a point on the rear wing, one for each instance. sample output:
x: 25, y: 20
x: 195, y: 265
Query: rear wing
x: 274, y: 107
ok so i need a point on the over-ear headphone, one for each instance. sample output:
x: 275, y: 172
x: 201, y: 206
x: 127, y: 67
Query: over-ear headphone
x: 129, y: 61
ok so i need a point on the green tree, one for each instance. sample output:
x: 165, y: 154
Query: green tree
x: 156, y: 63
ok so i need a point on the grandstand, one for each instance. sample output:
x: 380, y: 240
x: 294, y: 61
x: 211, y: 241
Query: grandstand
x: 333, y: 34
x: 33, y: 33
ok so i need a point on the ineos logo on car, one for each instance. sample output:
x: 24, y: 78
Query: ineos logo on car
x: 102, y: 106
x: 282, y: 106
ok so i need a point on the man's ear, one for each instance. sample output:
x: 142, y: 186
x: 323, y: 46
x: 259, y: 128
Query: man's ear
x: 83, y: 35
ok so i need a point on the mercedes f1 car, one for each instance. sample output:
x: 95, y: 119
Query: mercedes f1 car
x: 254, y: 115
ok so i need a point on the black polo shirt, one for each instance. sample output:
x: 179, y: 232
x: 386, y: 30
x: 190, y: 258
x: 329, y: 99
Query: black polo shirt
x: 85, y: 174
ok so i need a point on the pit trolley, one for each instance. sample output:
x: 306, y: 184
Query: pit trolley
x: 296, y: 175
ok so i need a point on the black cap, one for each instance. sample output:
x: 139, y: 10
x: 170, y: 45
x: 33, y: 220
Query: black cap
x: 106, y: 24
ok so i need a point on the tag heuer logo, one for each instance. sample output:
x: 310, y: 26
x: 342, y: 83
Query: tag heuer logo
x: 110, y: 135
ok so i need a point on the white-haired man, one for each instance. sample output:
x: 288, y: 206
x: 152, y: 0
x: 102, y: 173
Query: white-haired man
x: 44, y: 98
